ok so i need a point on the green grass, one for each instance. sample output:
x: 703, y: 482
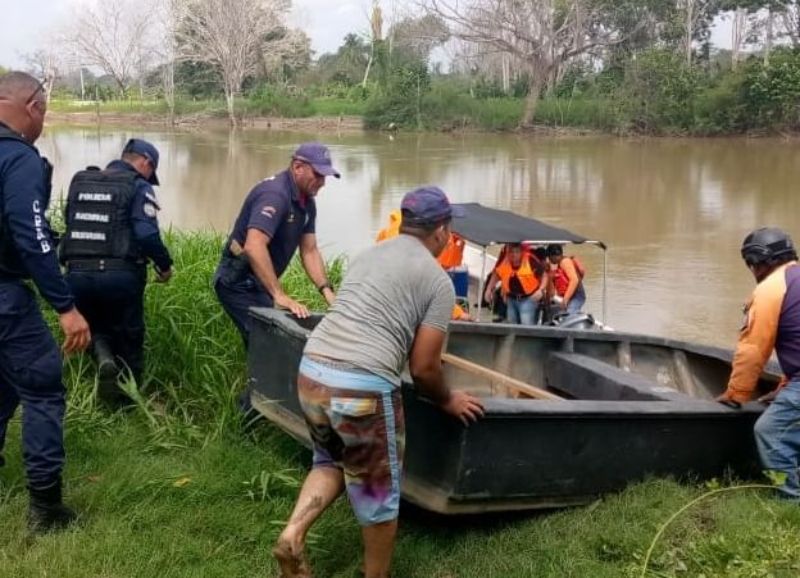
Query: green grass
x: 135, y: 106
x: 178, y: 488
x: 338, y: 106
x: 274, y: 105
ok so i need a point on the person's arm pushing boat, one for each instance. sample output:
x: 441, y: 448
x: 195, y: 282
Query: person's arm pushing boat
x: 425, y: 365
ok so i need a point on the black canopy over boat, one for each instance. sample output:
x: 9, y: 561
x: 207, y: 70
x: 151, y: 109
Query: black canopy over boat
x: 570, y: 414
x: 484, y: 227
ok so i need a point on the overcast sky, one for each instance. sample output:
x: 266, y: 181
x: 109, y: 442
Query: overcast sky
x: 24, y: 24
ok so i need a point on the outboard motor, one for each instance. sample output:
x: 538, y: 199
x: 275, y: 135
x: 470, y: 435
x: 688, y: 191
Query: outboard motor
x: 574, y: 321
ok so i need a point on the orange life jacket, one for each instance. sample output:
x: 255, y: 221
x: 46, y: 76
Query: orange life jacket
x: 458, y: 312
x: 393, y: 228
x: 525, y: 274
x: 453, y: 253
x: 561, y: 279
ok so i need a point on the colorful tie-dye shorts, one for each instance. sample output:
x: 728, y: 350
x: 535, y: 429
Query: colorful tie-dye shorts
x: 356, y: 424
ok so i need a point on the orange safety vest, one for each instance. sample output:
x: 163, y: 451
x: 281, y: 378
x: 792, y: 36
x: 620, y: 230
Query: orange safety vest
x: 458, y: 312
x: 453, y: 253
x: 561, y: 279
x: 525, y: 274
x: 393, y: 228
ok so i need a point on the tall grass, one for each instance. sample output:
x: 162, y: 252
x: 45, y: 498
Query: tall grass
x: 194, y: 357
x: 176, y: 488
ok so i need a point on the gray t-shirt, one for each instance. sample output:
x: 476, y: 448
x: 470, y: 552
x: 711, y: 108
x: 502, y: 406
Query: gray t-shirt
x: 387, y: 293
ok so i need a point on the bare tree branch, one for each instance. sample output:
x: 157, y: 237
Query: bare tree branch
x: 231, y: 36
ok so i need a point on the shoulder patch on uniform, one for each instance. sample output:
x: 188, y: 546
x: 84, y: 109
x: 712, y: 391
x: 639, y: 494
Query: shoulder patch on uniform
x: 150, y: 196
x: 268, y: 211
x: 150, y: 209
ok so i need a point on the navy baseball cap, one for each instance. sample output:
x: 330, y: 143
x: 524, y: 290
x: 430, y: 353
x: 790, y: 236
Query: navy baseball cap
x: 318, y: 156
x: 148, y: 151
x: 428, y: 205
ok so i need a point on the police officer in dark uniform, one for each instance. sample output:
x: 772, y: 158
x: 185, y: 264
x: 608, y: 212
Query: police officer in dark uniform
x: 112, y: 231
x: 30, y: 363
x: 278, y: 216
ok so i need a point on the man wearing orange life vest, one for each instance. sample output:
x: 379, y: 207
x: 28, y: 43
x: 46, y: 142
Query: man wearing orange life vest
x: 453, y: 253
x: 523, y: 280
x: 451, y: 257
x: 567, y: 280
x: 772, y: 322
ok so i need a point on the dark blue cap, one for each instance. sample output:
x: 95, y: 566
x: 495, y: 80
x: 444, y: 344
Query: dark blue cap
x: 148, y: 151
x: 428, y: 205
x: 318, y: 156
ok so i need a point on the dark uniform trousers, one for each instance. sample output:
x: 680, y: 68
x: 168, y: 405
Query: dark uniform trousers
x: 30, y: 375
x: 113, y: 304
x: 238, y: 298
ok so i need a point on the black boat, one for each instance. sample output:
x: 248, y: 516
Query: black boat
x: 570, y: 414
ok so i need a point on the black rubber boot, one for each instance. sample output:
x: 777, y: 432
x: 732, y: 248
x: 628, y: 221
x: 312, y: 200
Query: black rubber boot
x: 108, y: 391
x: 47, y: 512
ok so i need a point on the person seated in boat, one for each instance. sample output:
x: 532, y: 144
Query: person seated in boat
x: 771, y: 321
x: 392, y: 229
x: 393, y: 309
x: 522, y: 284
x: 567, y: 279
x: 450, y: 258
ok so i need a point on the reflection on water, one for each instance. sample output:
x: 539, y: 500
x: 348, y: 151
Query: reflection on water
x: 673, y: 212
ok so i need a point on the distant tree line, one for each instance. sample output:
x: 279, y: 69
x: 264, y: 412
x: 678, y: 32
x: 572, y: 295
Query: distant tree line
x: 625, y: 65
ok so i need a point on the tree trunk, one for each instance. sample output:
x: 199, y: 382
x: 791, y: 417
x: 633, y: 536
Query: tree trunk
x: 689, y: 31
x: 768, y: 42
x: 739, y: 31
x: 506, y: 74
x: 369, y: 65
x: 532, y: 100
x: 169, y: 89
x: 229, y: 98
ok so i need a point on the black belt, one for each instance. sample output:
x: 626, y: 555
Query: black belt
x: 520, y: 297
x: 95, y: 265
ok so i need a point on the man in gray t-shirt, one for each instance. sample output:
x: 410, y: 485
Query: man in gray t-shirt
x: 393, y: 307
x: 389, y: 291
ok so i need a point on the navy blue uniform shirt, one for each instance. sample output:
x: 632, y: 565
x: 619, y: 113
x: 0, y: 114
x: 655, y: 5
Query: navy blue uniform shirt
x: 24, y: 196
x: 144, y: 219
x: 275, y: 207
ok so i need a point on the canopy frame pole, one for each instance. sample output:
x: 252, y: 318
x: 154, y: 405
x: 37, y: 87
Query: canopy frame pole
x: 605, y: 278
x: 481, y: 283
x: 604, y: 247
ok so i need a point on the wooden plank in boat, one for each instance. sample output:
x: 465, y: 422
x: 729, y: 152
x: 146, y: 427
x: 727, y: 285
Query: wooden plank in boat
x: 501, y: 378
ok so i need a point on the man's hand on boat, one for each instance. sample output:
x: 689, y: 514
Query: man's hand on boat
x: 283, y: 301
x: 463, y: 406
x: 726, y: 399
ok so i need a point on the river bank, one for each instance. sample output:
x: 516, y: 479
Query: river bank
x: 196, y: 121
x: 179, y: 487
x: 354, y: 124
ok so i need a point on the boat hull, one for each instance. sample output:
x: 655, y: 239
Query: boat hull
x: 542, y: 453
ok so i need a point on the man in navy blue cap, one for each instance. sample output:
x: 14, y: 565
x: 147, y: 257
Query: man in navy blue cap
x: 30, y: 363
x: 393, y: 309
x: 278, y: 216
x: 112, y: 232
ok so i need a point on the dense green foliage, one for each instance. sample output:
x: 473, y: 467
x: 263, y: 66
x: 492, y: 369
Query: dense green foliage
x: 655, y: 93
x: 178, y: 487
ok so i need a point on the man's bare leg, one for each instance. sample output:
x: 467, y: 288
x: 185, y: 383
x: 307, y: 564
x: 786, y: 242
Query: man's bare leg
x: 378, y: 548
x: 321, y: 487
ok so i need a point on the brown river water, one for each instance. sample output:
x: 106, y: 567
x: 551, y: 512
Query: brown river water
x: 672, y: 211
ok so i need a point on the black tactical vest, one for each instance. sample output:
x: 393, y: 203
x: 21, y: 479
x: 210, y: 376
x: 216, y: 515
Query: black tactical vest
x: 98, y: 216
x: 10, y: 262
